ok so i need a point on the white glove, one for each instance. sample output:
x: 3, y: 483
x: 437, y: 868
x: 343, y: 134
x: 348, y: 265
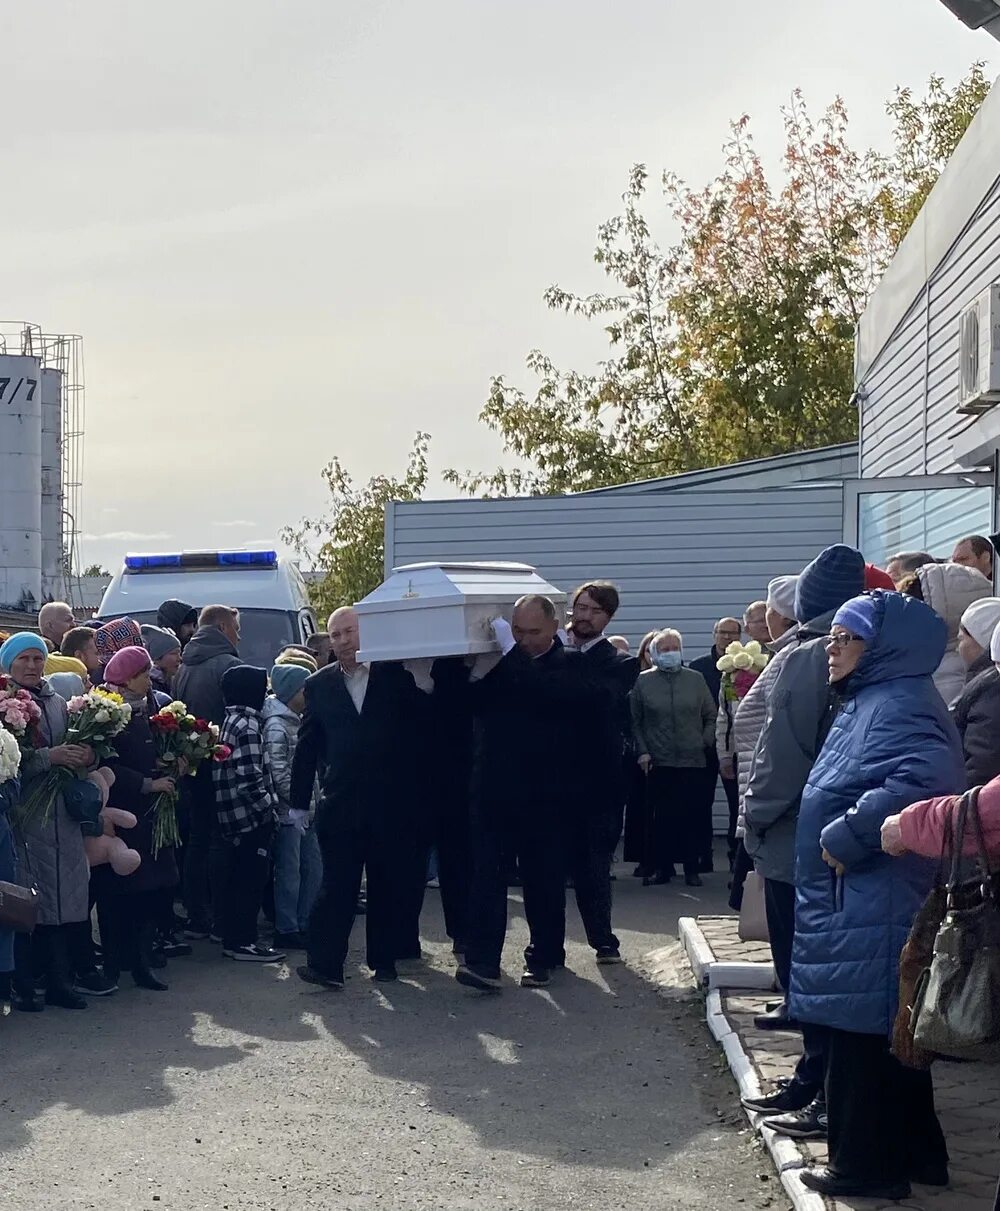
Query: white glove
x: 420, y: 670
x: 298, y: 819
x: 503, y: 634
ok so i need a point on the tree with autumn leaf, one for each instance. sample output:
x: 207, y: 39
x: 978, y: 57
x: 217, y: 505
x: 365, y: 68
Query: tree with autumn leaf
x: 736, y: 342
x: 347, y: 544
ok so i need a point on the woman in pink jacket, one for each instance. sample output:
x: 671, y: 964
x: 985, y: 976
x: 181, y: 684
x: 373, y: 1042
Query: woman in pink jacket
x: 919, y: 829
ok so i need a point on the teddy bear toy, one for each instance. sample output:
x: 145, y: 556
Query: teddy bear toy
x: 109, y: 847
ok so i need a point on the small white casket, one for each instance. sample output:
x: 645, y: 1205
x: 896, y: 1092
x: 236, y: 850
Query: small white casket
x: 444, y: 609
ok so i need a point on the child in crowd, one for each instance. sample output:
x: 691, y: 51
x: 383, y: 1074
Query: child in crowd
x: 298, y: 869
x: 246, y: 814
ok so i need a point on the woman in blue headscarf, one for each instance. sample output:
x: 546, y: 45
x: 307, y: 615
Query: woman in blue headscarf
x: 52, y: 847
x: 891, y: 743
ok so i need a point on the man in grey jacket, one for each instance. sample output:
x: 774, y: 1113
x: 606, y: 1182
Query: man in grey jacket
x: 793, y: 733
x: 209, y: 654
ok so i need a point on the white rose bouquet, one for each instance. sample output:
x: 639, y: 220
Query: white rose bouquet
x: 95, y: 718
x: 740, y: 667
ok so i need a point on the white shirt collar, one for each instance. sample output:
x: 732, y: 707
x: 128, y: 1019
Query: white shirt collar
x: 591, y: 643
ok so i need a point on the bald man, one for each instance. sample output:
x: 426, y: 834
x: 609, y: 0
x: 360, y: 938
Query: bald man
x: 55, y: 618
x: 364, y: 733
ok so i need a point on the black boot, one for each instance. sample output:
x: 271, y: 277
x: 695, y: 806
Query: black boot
x: 6, y: 992
x: 142, y: 970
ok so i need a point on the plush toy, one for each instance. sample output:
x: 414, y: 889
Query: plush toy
x: 109, y: 847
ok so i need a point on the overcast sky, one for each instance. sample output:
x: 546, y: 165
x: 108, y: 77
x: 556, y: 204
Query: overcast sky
x: 288, y: 230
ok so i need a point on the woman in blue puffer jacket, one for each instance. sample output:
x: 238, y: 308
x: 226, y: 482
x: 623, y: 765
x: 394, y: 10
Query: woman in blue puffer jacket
x: 891, y: 743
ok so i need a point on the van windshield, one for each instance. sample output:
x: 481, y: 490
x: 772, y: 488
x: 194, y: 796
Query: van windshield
x: 263, y: 633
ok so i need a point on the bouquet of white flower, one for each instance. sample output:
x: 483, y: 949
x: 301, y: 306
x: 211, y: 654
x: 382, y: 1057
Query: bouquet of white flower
x: 10, y: 756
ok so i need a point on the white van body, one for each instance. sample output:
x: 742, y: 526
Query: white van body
x: 268, y: 591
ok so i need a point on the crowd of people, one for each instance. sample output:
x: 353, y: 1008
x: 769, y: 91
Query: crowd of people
x: 838, y: 710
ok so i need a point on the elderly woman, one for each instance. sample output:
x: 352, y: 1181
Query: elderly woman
x: 891, y: 742
x: 673, y: 721
x: 53, y: 844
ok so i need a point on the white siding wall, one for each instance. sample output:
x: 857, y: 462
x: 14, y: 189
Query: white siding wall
x: 908, y: 418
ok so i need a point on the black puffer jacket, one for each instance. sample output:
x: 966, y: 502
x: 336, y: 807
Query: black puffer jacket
x: 977, y: 716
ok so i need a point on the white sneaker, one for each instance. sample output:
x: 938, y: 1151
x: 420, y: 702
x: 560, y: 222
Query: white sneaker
x: 254, y: 954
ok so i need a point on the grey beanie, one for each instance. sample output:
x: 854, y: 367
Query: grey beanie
x: 158, y: 641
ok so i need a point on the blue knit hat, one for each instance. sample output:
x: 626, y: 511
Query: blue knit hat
x: 17, y: 645
x: 859, y: 616
x: 834, y: 576
x: 287, y: 680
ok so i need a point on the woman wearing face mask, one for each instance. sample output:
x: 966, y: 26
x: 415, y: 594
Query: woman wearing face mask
x: 673, y: 720
x: 890, y: 744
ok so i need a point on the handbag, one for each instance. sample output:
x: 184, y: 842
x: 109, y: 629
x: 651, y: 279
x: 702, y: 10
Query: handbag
x: 19, y: 906
x: 753, y: 915
x: 956, y: 1010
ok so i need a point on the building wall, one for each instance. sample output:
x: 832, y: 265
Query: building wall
x: 910, y: 391
x: 681, y: 559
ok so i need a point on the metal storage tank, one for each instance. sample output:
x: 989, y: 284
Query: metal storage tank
x: 53, y: 565
x: 20, y: 480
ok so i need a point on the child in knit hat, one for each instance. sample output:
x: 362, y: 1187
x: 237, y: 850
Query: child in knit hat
x: 245, y: 804
x: 298, y: 866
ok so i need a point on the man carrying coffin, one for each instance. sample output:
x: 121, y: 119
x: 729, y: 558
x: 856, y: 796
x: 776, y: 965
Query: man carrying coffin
x: 526, y: 782
x: 364, y: 731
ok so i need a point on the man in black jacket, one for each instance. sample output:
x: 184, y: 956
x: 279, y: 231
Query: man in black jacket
x: 210, y: 653
x: 362, y: 731
x: 527, y: 782
x: 590, y: 848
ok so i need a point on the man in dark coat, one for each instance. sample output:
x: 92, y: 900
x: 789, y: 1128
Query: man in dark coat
x: 209, y: 654
x: 727, y: 631
x: 179, y: 617
x: 362, y: 732
x: 590, y: 848
x: 528, y: 779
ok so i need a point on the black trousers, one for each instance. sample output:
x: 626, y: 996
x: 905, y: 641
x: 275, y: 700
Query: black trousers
x: 128, y: 922
x: 349, y: 851
x: 533, y: 833
x: 677, y: 799
x: 248, y: 860
x: 732, y: 788
x: 48, y: 953
x: 451, y: 838
x: 636, y: 813
x: 588, y: 865
x: 415, y: 852
x: 206, y: 861
x: 882, y: 1122
x: 779, y: 905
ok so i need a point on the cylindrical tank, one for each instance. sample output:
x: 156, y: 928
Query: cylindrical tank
x: 53, y: 566
x: 20, y: 482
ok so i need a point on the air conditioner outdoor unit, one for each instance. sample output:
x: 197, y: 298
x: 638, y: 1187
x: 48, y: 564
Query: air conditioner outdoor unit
x: 979, y: 353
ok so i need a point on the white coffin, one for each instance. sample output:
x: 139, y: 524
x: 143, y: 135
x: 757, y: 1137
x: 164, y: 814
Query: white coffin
x: 444, y: 609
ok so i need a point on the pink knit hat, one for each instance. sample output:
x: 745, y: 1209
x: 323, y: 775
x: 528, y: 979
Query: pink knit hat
x: 125, y: 665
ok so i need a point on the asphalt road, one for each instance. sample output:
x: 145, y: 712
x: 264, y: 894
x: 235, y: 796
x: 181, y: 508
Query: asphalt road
x: 243, y: 1089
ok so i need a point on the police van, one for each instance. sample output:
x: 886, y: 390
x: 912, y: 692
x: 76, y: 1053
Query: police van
x: 267, y: 589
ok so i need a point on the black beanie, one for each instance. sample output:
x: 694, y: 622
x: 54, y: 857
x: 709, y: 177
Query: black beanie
x: 244, y: 685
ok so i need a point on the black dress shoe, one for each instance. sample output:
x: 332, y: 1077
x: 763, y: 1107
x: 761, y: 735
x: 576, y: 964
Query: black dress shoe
x: 834, y: 1185
x: 144, y: 978
x: 693, y: 881
x: 777, y: 1019
x: 64, y: 998
x: 385, y: 975
x: 312, y: 976
x: 931, y: 1176
x: 27, y: 1002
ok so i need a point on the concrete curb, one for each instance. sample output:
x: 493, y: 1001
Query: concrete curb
x: 711, y: 973
x: 788, y: 1160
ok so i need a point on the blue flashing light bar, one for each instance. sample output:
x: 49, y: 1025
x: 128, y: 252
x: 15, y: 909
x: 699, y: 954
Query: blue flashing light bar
x: 201, y: 559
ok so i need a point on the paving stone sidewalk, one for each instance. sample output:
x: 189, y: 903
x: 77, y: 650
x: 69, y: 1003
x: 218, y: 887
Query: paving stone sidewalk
x: 967, y: 1095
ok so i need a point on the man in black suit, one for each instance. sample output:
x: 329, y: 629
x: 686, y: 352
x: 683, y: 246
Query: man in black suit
x: 590, y: 848
x: 363, y: 731
x: 527, y: 782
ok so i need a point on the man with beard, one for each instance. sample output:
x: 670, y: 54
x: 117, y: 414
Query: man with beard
x: 591, y: 847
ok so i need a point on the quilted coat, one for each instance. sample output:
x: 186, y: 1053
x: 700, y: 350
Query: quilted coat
x: 949, y: 589
x: 891, y: 743
x: 56, y: 858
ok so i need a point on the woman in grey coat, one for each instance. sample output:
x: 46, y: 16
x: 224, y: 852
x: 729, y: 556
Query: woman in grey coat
x: 52, y: 847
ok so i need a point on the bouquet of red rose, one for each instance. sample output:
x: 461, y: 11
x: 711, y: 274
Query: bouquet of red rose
x: 183, y: 742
